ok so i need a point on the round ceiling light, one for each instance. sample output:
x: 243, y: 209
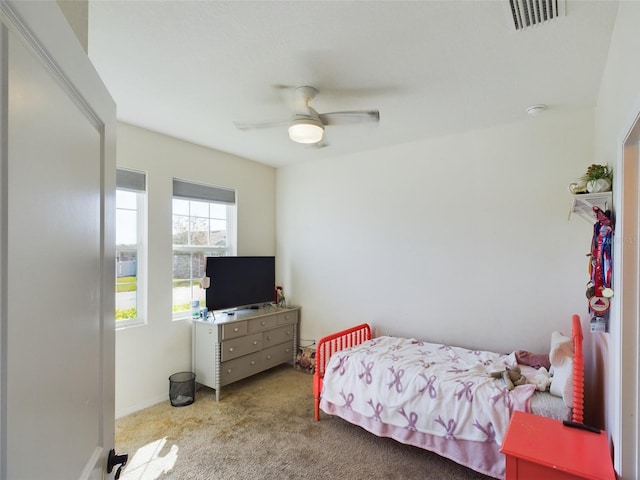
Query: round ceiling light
x: 306, y: 130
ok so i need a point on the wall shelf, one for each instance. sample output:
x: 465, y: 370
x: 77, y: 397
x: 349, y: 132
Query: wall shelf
x: 583, y: 204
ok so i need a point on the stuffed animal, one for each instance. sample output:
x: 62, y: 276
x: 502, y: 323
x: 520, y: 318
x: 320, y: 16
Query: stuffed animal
x: 542, y: 380
x: 511, y: 376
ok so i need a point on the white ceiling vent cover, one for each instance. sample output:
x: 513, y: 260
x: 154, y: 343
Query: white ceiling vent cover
x: 528, y: 13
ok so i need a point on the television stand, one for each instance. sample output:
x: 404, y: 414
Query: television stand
x: 233, y: 347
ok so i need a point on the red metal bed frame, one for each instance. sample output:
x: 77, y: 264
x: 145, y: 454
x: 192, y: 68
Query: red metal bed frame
x: 327, y: 346
x: 578, y: 370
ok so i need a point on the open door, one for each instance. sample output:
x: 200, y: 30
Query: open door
x: 57, y: 220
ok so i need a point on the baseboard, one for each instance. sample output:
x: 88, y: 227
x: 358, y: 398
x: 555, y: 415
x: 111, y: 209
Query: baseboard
x: 141, y: 406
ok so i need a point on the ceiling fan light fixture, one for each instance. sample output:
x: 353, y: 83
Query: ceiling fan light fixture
x: 306, y: 130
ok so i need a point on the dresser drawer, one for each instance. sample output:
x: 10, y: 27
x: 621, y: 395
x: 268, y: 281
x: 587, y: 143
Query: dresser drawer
x: 239, y: 368
x: 270, y: 357
x: 288, y: 317
x: 241, y: 346
x: 261, y: 323
x: 277, y: 335
x: 233, y: 330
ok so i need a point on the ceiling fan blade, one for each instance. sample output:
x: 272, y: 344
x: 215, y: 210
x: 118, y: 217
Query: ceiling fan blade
x: 350, y: 117
x: 256, y: 125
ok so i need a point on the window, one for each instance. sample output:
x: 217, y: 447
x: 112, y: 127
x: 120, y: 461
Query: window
x: 130, y: 247
x: 203, y: 226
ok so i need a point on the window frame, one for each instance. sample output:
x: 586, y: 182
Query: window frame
x: 124, y: 183
x: 192, y: 191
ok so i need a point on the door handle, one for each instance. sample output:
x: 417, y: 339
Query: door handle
x: 113, y: 460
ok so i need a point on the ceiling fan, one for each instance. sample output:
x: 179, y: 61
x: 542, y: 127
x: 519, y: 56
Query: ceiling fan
x: 307, y: 125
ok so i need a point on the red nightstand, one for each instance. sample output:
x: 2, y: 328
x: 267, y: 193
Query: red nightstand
x: 539, y: 447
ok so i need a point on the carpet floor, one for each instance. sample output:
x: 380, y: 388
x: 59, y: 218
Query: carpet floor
x: 263, y: 428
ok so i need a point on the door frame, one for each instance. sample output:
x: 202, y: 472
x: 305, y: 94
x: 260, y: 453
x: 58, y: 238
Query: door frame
x: 626, y: 347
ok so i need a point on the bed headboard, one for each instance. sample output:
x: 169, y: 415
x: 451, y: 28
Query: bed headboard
x: 578, y: 370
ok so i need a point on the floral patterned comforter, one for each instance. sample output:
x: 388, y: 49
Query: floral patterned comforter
x: 431, y: 388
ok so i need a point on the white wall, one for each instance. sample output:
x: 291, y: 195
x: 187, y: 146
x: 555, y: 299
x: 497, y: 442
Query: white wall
x: 460, y: 239
x: 147, y: 355
x: 618, y: 106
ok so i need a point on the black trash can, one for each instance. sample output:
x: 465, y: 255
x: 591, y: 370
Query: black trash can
x: 182, y: 388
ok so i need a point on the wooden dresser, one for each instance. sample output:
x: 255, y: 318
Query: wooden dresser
x: 233, y: 347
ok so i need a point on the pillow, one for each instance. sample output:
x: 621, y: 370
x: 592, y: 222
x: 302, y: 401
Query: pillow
x: 535, y: 360
x: 561, y: 358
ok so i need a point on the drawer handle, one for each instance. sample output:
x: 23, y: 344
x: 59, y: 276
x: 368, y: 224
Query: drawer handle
x: 288, y: 333
x: 255, y: 342
x: 231, y: 349
x: 229, y: 371
x: 268, y: 357
x: 253, y: 362
x: 210, y: 331
x: 287, y: 350
x: 263, y: 323
x: 268, y: 338
x: 236, y: 329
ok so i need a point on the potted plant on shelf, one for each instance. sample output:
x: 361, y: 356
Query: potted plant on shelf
x: 598, y: 178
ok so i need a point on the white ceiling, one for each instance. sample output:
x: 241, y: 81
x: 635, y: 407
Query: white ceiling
x: 190, y: 69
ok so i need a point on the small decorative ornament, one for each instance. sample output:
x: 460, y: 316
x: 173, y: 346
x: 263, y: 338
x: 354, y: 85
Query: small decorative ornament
x: 607, y: 292
x: 280, y: 300
x: 598, y: 178
x: 591, y: 290
x: 577, y: 188
x: 599, y: 305
x: 599, y: 185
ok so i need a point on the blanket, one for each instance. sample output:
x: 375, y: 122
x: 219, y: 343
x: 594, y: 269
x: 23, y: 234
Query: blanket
x: 437, y: 389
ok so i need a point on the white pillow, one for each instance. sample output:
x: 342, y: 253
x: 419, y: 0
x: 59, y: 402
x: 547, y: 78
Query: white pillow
x: 561, y: 358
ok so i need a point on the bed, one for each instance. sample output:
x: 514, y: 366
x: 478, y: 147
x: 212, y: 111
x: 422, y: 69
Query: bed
x: 442, y: 398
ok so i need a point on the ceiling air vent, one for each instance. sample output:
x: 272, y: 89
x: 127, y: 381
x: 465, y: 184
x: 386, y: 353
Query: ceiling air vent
x: 528, y: 13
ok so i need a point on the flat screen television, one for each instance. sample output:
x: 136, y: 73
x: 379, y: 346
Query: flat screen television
x: 240, y: 282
